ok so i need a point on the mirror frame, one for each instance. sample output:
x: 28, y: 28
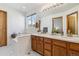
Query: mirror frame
x: 56, y: 18
x: 67, y: 21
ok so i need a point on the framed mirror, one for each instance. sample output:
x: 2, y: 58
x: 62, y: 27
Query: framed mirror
x: 72, y: 23
x: 57, y: 25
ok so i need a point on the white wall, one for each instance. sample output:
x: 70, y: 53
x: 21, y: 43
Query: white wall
x: 46, y: 21
x: 15, y: 21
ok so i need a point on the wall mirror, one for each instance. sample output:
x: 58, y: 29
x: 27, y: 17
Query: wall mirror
x: 57, y: 25
x: 72, y: 23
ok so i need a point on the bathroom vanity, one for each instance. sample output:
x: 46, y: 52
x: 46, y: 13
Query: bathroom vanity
x: 52, y: 45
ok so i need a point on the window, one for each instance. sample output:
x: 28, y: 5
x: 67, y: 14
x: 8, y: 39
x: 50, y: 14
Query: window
x: 31, y: 19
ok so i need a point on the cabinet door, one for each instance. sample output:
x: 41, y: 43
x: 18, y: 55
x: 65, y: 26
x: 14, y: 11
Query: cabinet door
x: 40, y: 45
x: 47, y: 53
x: 73, y: 49
x: 33, y: 43
x: 47, y: 46
x: 47, y: 49
x: 3, y: 28
x: 59, y: 51
x: 73, y: 53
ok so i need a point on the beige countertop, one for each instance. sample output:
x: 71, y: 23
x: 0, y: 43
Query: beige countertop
x: 59, y: 37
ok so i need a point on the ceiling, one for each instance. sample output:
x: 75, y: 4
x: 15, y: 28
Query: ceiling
x: 30, y: 8
x: 25, y: 8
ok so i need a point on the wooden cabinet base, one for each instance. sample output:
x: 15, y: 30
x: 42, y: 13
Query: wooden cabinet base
x: 54, y: 47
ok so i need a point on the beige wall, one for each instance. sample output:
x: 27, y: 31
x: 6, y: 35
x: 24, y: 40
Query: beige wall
x: 15, y: 21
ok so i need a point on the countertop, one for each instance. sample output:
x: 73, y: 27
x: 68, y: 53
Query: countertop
x: 59, y: 37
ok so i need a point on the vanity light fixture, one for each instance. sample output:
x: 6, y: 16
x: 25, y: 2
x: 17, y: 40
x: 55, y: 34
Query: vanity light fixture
x: 49, y: 6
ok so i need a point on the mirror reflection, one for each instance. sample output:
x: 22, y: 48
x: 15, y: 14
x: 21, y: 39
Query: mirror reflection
x: 72, y: 23
x: 57, y: 25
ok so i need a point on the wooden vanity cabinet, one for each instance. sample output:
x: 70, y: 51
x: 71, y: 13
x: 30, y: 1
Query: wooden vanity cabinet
x: 33, y: 42
x: 59, y: 48
x: 47, y: 46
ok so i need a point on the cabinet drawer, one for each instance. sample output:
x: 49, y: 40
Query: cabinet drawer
x: 74, y: 46
x: 40, y: 38
x: 47, y: 40
x: 73, y: 53
x: 40, y: 50
x: 59, y: 43
x: 58, y: 51
x: 47, y: 53
x: 47, y: 46
x: 41, y: 46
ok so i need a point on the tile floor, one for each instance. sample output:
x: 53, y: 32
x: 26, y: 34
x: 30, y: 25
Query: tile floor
x: 10, y: 50
x: 32, y: 53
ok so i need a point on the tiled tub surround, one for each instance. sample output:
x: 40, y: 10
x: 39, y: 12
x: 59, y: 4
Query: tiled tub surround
x: 23, y: 44
x: 20, y: 46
